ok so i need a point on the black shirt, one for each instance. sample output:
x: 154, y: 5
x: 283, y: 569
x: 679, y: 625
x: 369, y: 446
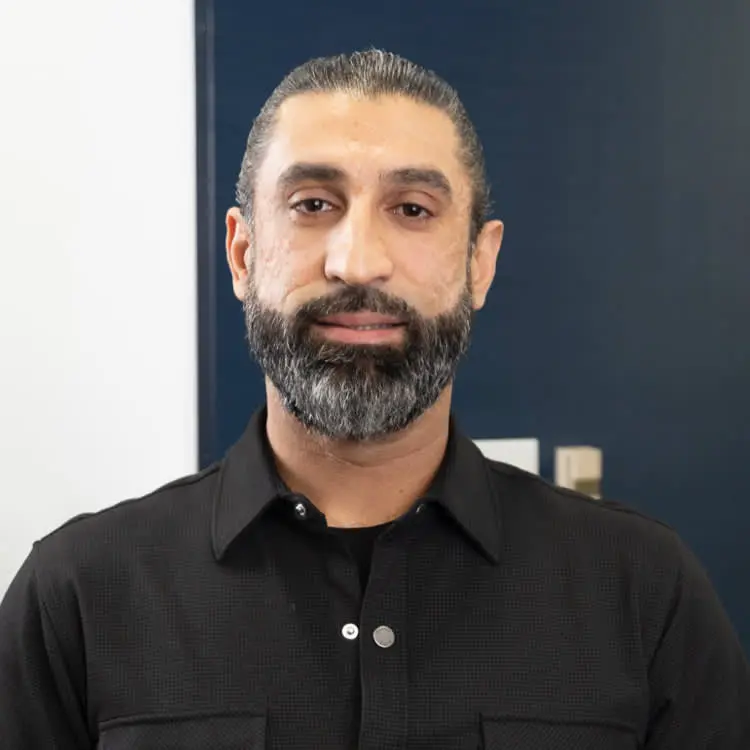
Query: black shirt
x: 359, y: 542
x: 500, y: 612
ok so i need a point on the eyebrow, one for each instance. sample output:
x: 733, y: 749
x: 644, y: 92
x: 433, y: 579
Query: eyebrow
x: 414, y: 176
x: 302, y: 171
x: 403, y: 177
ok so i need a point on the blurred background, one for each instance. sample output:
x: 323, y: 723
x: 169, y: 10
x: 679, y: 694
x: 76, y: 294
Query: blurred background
x: 617, y: 138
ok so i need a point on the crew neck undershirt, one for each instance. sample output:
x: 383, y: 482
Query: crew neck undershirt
x: 360, y: 542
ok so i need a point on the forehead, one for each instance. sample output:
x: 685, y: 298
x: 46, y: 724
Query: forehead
x: 363, y: 136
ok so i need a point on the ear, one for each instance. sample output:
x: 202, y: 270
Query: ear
x: 484, y: 261
x: 238, y: 244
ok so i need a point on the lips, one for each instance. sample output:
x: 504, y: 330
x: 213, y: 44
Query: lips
x: 363, y: 321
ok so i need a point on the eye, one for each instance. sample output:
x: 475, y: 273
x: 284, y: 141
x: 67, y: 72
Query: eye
x: 312, y: 206
x: 413, y: 211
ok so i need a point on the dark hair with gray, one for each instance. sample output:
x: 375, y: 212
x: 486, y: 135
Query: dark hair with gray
x: 371, y: 73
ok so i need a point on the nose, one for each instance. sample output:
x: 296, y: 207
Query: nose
x: 357, y: 251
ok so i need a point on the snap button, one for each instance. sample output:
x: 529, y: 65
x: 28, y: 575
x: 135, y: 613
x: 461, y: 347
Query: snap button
x: 420, y: 508
x: 384, y: 636
x: 350, y: 631
x: 301, y: 510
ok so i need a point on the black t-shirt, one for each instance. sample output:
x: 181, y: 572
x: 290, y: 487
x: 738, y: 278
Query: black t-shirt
x: 360, y: 542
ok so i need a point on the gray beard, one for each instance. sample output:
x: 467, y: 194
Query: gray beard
x: 352, y: 391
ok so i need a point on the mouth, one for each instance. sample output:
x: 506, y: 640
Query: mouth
x: 367, y: 327
x: 362, y: 328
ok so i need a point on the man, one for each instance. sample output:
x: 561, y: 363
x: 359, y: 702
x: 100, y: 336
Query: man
x: 354, y: 574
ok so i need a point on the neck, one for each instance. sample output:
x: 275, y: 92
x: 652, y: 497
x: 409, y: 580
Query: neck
x: 359, y: 483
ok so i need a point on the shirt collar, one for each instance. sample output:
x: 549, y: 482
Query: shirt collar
x: 249, y: 484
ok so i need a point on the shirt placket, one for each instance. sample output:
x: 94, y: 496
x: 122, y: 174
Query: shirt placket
x: 383, y: 647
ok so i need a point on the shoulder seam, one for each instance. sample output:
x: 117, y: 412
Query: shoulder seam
x: 509, y: 471
x: 181, y: 482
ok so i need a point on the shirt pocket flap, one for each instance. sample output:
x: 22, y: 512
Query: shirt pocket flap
x: 239, y: 732
x: 537, y: 734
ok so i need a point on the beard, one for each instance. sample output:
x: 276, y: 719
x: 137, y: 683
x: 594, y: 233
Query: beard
x: 349, y: 391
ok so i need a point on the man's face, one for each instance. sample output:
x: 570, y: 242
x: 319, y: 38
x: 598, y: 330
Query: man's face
x: 360, y: 285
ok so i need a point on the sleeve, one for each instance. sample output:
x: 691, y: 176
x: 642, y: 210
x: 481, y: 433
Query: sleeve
x: 41, y: 705
x: 699, y: 676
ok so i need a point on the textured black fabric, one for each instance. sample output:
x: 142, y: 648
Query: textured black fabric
x: 510, y: 733
x: 179, y: 732
x: 214, y: 613
x: 359, y: 542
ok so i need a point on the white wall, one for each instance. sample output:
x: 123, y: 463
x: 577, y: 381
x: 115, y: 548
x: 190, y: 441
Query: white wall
x: 97, y: 242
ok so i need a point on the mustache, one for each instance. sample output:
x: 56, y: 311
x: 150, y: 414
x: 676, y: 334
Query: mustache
x: 353, y: 299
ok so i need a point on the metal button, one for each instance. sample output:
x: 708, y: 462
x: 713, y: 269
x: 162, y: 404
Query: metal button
x: 420, y: 508
x: 350, y: 631
x: 384, y: 636
x: 301, y: 510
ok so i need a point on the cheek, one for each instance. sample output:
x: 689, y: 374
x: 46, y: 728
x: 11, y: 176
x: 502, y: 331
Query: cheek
x: 445, y: 293
x: 439, y: 279
x: 270, y: 272
x: 280, y: 273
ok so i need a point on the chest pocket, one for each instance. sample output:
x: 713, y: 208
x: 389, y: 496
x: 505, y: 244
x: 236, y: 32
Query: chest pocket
x: 205, y: 733
x: 524, y: 734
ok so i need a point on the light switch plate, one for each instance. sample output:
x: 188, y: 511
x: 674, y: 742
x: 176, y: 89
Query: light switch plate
x: 579, y: 467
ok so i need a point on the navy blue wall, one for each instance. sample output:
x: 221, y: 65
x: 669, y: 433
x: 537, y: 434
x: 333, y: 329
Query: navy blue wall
x: 617, y: 142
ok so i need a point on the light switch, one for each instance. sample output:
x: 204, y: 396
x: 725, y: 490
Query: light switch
x: 579, y: 467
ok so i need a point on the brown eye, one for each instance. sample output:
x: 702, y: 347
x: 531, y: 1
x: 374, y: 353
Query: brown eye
x: 413, y: 211
x: 311, y: 206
